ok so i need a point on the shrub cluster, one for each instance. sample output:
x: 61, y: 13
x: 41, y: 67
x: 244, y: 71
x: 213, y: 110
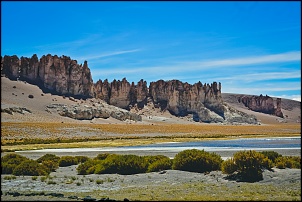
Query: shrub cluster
x: 31, y: 168
x: 10, y: 161
x: 124, y: 164
x: 249, y: 165
x: 197, y: 161
x: 288, y: 162
x: 50, y: 161
x: 19, y: 165
x: 67, y: 161
x: 244, y: 165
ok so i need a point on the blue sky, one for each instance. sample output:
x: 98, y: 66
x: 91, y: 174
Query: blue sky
x: 251, y: 47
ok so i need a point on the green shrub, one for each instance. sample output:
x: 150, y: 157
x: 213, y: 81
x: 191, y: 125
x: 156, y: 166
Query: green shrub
x: 51, y: 165
x: 99, y: 181
x: 288, y: 162
x: 88, y: 167
x: 81, y: 159
x: 272, y: 155
x: 164, y: 163
x: 48, y: 157
x: 43, y: 178
x: 9, y: 177
x: 102, y: 156
x: 31, y: 168
x: 10, y: 161
x: 67, y: 161
x: 228, y: 166
x: 51, y: 182
x: 248, y: 164
x: 194, y: 160
x: 121, y: 164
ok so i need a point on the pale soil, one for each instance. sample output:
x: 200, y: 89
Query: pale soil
x: 114, y: 186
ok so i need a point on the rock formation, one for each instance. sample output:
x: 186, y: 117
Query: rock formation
x: 121, y: 93
x: 63, y: 76
x: 58, y: 75
x: 264, y: 104
x: 89, y: 112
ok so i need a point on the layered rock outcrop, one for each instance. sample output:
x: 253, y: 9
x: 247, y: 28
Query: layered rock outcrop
x: 63, y: 76
x: 204, y: 101
x: 58, y: 75
x: 264, y: 104
x: 121, y: 93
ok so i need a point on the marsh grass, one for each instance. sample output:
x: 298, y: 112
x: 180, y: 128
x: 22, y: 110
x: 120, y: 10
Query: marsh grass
x: 28, y: 136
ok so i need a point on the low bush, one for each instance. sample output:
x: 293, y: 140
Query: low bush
x: 10, y: 161
x: 102, y: 156
x: 48, y: 157
x: 122, y: 164
x: 158, y: 163
x: 194, y: 160
x: 51, y: 165
x: 272, y: 155
x: 288, y: 162
x: 31, y: 168
x: 67, y: 161
x: 249, y: 165
x: 81, y: 159
x: 88, y: 167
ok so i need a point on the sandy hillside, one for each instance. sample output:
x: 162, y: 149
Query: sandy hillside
x: 16, y: 93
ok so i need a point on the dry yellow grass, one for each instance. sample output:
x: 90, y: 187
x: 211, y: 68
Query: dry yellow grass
x: 30, y: 135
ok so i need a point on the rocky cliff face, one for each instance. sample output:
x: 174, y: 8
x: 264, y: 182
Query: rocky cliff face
x: 203, y: 101
x: 121, y: 93
x: 63, y: 76
x: 59, y: 75
x: 264, y: 104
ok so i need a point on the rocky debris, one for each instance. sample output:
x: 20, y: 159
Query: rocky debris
x: 11, y: 110
x: 58, y: 75
x: 89, y: 112
x: 263, y: 104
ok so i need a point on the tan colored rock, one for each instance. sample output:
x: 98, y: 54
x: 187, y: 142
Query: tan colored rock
x: 263, y: 104
x: 59, y: 75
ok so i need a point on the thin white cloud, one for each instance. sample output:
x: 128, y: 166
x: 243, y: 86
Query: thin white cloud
x: 273, y: 58
x: 259, y: 89
x: 107, y: 54
x: 262, y: 76
x: 184, y: 67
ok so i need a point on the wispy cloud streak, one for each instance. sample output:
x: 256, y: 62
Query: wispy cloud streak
x: 102, y: 55
x: 187, y: 66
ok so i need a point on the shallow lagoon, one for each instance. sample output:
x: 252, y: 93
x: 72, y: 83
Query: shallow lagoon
x: 226, y: 148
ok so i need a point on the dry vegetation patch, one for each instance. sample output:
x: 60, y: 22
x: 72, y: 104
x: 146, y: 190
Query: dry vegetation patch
x: 29, y: 135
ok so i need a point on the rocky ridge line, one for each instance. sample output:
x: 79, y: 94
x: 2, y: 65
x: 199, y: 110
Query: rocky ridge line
x: 63, y: 76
